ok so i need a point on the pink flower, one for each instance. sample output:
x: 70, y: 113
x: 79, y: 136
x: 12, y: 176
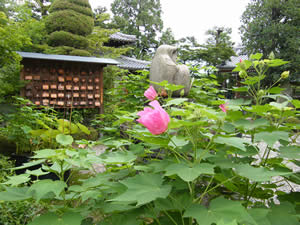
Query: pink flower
x: 150, y: 93
x: 223, y: 107
x: 155, y: 120
x: 241, y: 60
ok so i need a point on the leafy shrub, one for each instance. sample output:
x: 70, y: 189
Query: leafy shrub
x: 67, y: 4
x: 70, y: 21
x: 59, y: 38
x: 80, y: 52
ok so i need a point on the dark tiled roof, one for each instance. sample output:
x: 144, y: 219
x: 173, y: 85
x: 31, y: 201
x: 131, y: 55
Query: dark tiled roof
x: 230, y: 64
x: 123, y: 37
x: 71, y: 58
x: 132, y: 64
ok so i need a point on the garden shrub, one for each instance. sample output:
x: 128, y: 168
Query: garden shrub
x: 67, y: 4
x: 63, y: 38
x: 70, y: 21
x: 80, y: 52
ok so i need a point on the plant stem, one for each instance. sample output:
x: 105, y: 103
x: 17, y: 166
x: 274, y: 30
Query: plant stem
x: 170, y: 217
x: 202, y: 196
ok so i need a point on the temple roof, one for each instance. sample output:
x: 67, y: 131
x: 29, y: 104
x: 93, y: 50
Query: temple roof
x: 120, y: 39
x: 132, y: 63
x: 231, y: 64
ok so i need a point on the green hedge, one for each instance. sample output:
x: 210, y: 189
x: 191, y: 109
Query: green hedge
x: 85, y: 3
x: 71, y: 21
x: 63, y: 38
x: 66, y: 4
x: 80, y: 52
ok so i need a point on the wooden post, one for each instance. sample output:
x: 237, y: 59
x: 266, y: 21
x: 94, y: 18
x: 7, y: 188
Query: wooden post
x: 22, y: 78
x: 101, y: 110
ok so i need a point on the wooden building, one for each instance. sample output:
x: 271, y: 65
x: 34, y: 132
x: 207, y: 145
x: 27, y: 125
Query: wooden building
x: 63, y: 81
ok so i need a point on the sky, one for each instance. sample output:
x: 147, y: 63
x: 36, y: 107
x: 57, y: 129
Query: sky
x: 195, y: 17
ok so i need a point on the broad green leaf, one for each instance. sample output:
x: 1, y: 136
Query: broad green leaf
x: 260, y: 215
x: 126, y: 219
x: 276, y: 62
x: 43, y: 187
x: 253, y: 80
x: 177, y: 141
x: 17, y: 179
x: 176, y: 101
x: 29, y: 164
x: 280, y: 106
x: 276, y: 90
x: 283, y: 214
x: 220, y: 209
x: 37, y: 172
x: 155, y: 140
x: 233, y: 141
x: 241, y: 89
x: 239, y: 102
x: 249, y: 125
x: 83, y: 128
x: 64, y: 139
x: 14, y: 194
x: 118, y: 157
x: 290, y: 152
x: 259, y: 174
x: 256, y: 56
x: 271, y: 137
x: 221, y: 222
x: 113, y: 207
x: 296, y: 103
x: 189, y: 173
x: 45, y: 153
x: 69, y: 218
x: 143, y: 188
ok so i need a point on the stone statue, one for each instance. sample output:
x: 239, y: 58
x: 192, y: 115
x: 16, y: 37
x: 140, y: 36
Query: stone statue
x: 163, y: 67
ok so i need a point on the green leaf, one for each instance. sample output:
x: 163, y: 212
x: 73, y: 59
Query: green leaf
x: 143, y: 188
x: 43, y: 187
x: 249, y: 125
x: 259, y: 174
x: 176, y: 101
x: 220, y: 209
x: 126, y: 219
x: 83, y: 128
x: 260, y: 215
x: 256, y: 56
x: 189, y: 173
x: 64, y: 139
x: 290, y: 152
x: 17, y: 179
x: 68, y: 218
x: 233, y: 141
x: 178, y: 141
x: 283, y: 214
x: 241, y: 89
x: 118, y: 157
x: 14, y: 194
x: 296, y: 103
x: 37, y: 172
x: 29, y: 164
x: 45, y: 153
x: 271, y: 137
x: 276, y: 62
x: 276, y: 90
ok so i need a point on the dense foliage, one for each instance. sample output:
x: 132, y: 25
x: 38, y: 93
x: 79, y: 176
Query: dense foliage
x: 214, y: 165
x: 140, y: 18
x: 68, y: 24
x: 273, y: 26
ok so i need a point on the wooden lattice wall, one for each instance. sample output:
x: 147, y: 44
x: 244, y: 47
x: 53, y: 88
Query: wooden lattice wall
x: 63, y: 84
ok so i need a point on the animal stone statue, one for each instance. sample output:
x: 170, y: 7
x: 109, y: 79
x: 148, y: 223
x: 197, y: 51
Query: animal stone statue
x: 163, y: 67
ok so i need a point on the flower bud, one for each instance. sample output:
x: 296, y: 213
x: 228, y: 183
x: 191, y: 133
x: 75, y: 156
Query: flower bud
x: 242, y: 74
x: 285, y: 74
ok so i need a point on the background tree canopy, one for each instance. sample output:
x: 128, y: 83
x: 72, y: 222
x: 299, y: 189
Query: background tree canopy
x: 141, y: 18
x: 273, y: 26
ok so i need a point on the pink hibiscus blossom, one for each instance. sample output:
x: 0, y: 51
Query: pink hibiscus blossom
x: 155, y: 119
x: 150, y: 93
x: 223, y: 107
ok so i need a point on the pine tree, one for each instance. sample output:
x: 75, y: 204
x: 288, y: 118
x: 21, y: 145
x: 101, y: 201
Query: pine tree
x: 68, y: 24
